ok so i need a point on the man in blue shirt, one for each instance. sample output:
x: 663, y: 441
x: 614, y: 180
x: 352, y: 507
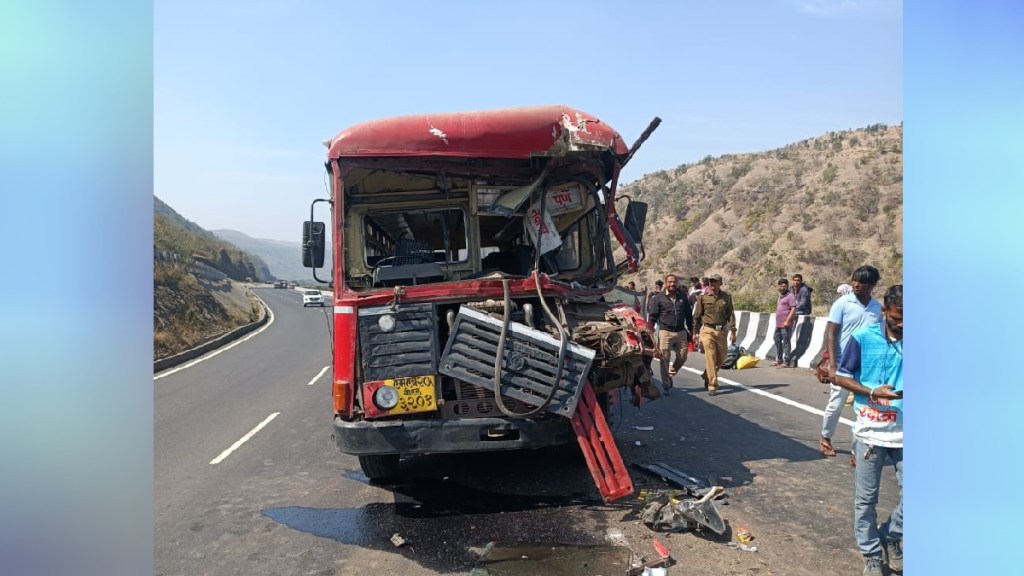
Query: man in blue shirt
x: 848, y: 314
x: 872, y: 368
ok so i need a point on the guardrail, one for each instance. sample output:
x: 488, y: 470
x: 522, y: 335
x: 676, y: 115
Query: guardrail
x: 755, y: 331
x: 212, y: 344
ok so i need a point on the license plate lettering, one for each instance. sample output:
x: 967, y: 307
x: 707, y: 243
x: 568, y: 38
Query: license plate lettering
x: 415, y: 394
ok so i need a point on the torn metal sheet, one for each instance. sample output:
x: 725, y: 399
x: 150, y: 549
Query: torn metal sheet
x: 673, y: 475
x: 551, y: 559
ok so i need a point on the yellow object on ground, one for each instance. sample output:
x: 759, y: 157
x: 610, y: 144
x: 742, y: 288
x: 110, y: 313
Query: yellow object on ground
x: 747, y: 362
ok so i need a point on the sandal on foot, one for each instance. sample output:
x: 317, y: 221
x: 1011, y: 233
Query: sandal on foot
x: 825, y: 445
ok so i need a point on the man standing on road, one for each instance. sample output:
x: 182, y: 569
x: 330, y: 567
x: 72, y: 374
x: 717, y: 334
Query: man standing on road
x: 848, y: 314
x: 802, y: 292
x: 803, y: 295
x: 872, y: 368
x: 785, y: 312
x: 711, y: 315
x: 671, y: 310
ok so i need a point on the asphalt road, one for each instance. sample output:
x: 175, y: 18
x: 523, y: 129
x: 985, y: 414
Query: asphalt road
x: 285, y: 502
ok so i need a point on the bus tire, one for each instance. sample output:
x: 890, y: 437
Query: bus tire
x: 379, y: 466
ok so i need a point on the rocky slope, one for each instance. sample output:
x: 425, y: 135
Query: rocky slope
x: 821, y: 207
x: 199, y: 287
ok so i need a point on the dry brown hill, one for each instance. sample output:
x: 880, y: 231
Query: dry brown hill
x: 821, y: 207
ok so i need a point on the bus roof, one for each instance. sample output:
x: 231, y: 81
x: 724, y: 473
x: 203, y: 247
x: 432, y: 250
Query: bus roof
x: 505, y: 133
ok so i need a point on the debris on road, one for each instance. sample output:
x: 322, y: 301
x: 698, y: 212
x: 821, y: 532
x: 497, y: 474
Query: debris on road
x: 647, y: 493
x: 743, y: 547
x: 397, y: 540
x: 644, y: 428
x: 680, y: 513
x: 656, y: 566
x: 743, y: 534
x: 532, y: 559
x: 704, y: 512
x: 673, y: 475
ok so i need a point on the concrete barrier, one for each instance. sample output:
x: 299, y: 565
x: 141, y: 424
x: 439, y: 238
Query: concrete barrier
x: 755, y: 331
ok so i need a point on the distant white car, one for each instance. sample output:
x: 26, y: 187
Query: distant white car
x: 312, y: 298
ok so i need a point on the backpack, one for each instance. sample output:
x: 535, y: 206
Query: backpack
x: 732, y: 355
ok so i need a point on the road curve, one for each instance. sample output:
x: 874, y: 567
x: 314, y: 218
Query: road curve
x: 281, y: 500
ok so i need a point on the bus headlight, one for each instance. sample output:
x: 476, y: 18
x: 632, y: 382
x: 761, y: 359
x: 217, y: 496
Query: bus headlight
x: 385, y: 397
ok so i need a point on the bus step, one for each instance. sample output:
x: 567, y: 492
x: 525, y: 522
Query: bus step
x: 599, y: 449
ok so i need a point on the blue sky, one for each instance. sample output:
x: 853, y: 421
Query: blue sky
x: 245, y: 91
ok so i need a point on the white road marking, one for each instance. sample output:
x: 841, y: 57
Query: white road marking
x: 775, y: 397
x: 242, y: 440
x: 270, y: 320
x: 317, y: 377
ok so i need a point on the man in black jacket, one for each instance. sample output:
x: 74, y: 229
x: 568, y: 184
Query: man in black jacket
x: 670, y: 309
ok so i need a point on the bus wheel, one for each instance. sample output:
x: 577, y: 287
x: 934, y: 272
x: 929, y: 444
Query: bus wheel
x: 379, y: 466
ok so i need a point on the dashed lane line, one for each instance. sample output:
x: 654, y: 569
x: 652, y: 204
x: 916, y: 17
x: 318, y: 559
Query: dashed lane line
x: 243, y: 439
x: 317, y: 377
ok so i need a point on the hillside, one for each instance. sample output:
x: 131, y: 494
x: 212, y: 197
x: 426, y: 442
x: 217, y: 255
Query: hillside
x: 283, y: 259
x: 821, y: 207
x: 197, y: 293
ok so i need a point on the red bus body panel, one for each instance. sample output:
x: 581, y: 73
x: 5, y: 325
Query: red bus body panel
x: 509, y: 133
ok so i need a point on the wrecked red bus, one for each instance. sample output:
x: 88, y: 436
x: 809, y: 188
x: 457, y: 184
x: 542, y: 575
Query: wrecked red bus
x: 471, y: 255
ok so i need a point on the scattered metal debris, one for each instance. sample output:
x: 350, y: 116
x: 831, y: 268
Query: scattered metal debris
x: 679, y: 513
x: 673, y: 475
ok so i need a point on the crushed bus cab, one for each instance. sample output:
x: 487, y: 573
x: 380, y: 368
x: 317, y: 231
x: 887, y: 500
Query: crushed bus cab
x: 472, y: 252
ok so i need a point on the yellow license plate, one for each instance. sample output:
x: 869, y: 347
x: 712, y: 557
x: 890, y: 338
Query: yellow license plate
x: 415, y: 394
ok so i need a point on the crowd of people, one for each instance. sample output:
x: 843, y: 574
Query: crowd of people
x: 864, y: 341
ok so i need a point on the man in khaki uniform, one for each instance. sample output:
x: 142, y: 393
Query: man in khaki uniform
x: 712, y: 315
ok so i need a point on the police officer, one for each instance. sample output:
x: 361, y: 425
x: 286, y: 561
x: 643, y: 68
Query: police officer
x: 712, y: 315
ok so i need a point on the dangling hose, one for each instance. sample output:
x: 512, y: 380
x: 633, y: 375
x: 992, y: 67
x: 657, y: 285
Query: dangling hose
x: 501, y: 354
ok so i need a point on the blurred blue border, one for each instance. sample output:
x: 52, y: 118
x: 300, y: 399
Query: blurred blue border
x: 962, y: 206
x: 76, y: 92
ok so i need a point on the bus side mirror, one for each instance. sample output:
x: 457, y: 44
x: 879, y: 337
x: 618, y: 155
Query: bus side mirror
x: 636, y: 219
x: 313, y: 244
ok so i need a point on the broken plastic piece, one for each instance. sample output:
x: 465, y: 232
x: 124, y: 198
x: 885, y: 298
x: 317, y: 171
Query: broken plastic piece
x: 704, y: 512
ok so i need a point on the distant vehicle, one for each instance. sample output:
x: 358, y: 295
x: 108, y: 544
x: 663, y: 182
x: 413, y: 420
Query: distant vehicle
x: 280, y: 284
x: 312, y: 298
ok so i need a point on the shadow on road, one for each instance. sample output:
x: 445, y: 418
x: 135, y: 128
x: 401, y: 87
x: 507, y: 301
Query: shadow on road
x: 448, y: 507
